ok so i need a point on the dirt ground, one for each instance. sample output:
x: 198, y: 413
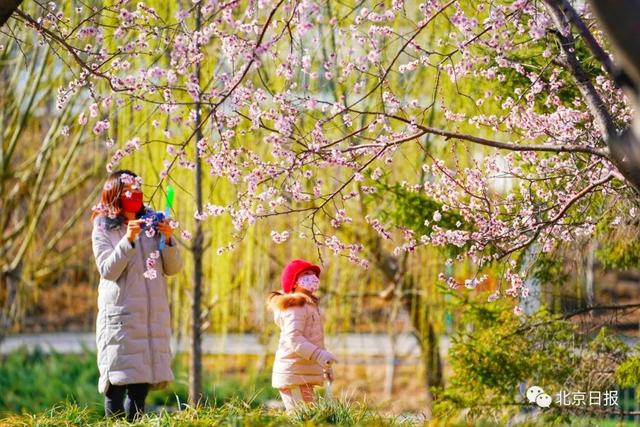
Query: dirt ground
x: 367, y: 381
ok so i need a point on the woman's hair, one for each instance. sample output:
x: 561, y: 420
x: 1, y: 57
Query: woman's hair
x: 110, y: 205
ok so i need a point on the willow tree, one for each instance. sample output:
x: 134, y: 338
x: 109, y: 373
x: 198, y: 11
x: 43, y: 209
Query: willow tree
x: 48, y: 177
x: 305, y: 106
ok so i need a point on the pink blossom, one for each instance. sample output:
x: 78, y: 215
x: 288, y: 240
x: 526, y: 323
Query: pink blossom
x: 150, y: 274
x: 150, y: 263
x: 100, y: 127
x: 279, y: 237
x: 494, y: 296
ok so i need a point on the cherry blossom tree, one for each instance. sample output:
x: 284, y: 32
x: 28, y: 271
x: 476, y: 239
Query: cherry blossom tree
x: 504, y: 115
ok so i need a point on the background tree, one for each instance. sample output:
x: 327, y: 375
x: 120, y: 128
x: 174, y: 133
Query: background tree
x: 48, y: 178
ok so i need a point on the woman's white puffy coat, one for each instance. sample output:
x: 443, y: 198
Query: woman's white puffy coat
x: 133, y: 330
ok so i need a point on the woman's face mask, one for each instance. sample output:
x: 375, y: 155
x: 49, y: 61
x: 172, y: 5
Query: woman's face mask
x: 131, y: 201
x: 309, y: 282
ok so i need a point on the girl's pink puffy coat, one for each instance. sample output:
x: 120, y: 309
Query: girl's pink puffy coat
x: 301, y: 335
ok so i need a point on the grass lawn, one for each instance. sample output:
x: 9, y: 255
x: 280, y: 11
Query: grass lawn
x: 234, y: 413
x: 38, y: 389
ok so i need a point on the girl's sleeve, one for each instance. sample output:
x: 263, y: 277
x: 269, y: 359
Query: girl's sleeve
x: 111, y: 261
x: 292, y: 320
x: 171, y: 259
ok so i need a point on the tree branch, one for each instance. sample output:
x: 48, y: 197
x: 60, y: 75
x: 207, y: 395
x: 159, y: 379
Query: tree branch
x: 592, y: 98
x: 493, y: 143
x: 613, y: 307
x: 588, y: 38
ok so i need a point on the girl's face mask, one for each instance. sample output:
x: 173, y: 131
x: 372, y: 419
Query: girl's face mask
x: 309, y: 282
x: 133, y: 203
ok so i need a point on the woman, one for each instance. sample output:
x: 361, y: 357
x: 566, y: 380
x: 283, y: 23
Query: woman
x: 133, y: 325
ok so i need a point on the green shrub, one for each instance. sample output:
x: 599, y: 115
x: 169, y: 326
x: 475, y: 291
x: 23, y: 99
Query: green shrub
x: 496, y: 355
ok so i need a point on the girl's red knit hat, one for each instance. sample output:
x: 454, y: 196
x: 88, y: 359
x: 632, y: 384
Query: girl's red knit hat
x: 293, y: 270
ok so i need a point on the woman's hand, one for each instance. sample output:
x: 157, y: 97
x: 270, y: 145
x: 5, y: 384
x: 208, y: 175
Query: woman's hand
x: 164, y: 227
x: 133, y: 229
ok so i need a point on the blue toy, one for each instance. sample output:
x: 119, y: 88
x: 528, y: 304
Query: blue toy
x: 156, y: 218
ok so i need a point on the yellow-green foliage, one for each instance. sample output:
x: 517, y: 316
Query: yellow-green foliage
x: 236, y: 282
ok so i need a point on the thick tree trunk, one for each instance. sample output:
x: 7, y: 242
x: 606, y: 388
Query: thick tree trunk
x: 619, y: 20
x: 430, y: 349
x: 9, y: 285
x: 433, y: 364
x: 195, y: 358
x: 7, y: 7
x: 393, y: 269
x: 589, y: 275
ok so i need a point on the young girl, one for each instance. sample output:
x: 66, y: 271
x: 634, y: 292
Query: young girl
x: 132, y: 327
x: 301, y: 360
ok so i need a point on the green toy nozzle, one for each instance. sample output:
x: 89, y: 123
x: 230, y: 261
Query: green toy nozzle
x: 170, y: 195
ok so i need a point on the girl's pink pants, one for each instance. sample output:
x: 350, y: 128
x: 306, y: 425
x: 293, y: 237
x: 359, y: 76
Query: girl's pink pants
x: 294, y: 395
